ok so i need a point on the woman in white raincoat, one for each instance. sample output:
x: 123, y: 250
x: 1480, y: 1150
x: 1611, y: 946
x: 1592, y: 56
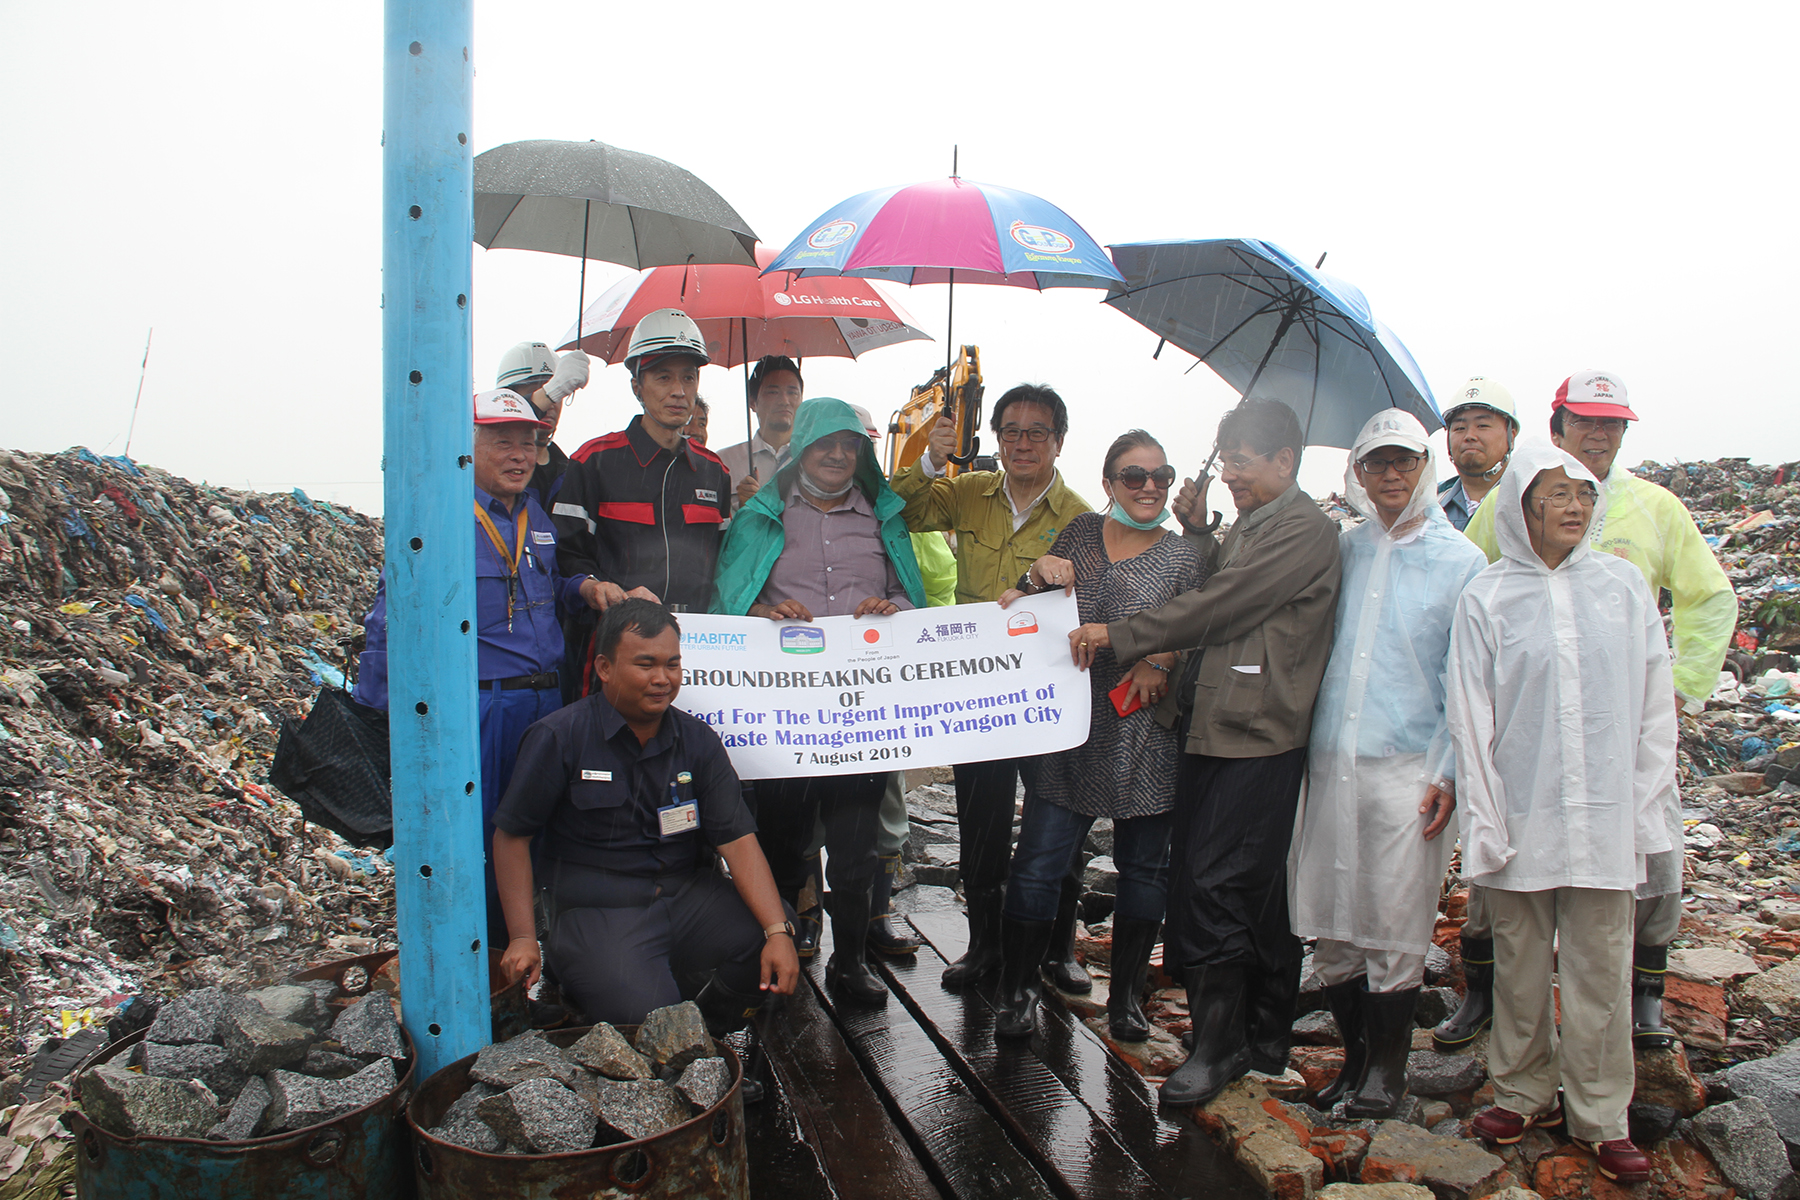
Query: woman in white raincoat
x: 1370, y: 845
x: 1562, y: 709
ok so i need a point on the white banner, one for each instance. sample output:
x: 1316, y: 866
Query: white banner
x: 927, y: 688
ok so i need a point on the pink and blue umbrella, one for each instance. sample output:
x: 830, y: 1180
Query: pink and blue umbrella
x: 950, y: 231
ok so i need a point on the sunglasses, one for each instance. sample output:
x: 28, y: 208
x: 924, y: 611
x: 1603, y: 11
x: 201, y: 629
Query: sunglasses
x: 1135, y: 477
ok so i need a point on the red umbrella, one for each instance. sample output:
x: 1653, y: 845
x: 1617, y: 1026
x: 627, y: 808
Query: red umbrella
x: 744, y: 314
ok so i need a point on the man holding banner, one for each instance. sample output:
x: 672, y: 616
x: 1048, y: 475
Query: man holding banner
x: 825, y: 540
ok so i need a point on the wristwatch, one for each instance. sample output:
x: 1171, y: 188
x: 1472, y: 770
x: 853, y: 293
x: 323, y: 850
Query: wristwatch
x: 786, y: 927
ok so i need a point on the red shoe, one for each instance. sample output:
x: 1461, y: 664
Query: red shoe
x: 1620, y: 1161
x: 1503, y: 1127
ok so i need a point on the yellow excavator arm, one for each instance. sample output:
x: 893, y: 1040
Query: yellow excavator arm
x: 954, y: 392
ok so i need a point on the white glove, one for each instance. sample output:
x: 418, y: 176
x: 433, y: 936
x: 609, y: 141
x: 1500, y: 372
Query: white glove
x: 571, y: 376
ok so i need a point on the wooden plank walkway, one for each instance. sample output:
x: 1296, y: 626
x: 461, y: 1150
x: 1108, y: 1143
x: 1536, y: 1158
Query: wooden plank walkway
x: 916, y: 1100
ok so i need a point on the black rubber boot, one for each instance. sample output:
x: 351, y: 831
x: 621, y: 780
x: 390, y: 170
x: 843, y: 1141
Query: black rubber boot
x: 847, y: 972
x: 1022, y: 945
x: 1387, y: 1028
x: 726, y: 1010
x: 1477, y: 1011
x: 1274, y: 995
x: 1650, y: 965
x: 1132, y: 943
x: 982, y: 959
x: 1060, y: 964
x: 1216, y: 997
x: 809, y: 922
x: 1346, y: 1003
x: 884, y: 936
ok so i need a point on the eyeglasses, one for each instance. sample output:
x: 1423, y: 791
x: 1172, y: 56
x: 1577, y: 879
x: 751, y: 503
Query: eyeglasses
x: 1135, y: 477
x: 1012, y: 433
x: 1589, y: 424
x: 1562, y: 498
x: 847, y: 443
x: 1405, y: 463
x: 1237, y: 463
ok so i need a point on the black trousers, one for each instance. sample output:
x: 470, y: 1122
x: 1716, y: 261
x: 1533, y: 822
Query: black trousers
x: 621, y: 945
x: 986, y: 795
x: 1234, y: 821
x: 849, y: 806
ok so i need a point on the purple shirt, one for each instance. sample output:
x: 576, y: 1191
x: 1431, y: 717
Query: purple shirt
x: 831, y: 561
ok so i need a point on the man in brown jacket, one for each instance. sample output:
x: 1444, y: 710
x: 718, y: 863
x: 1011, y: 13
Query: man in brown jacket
x: 1259, y: 633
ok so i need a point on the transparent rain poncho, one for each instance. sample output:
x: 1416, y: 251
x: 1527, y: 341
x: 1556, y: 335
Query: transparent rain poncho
x: 1562, y: 707
x: 1361, y: 870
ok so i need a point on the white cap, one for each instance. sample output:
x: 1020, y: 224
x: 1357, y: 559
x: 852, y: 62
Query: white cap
x: 1391, y: 427
x: 527, y: 360
x: 1480, y: 392
x: 503, y: 406
x: 869, y: 426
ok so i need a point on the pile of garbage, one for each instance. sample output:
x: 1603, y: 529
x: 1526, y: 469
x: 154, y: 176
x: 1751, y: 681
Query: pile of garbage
x: 233, y: 1067
x: 529, y: 1095
x: 154, y: 633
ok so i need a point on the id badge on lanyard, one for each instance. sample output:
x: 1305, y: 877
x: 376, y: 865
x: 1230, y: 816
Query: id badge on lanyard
x: 679, y: 816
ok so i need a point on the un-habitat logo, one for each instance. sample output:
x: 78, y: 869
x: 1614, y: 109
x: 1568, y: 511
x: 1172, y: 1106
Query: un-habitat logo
x: 802, y: 639
x: 831, y: 234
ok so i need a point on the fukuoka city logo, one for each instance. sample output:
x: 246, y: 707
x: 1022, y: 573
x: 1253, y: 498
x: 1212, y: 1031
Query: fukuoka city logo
x: 1045, y: 241
x: 830, y: 234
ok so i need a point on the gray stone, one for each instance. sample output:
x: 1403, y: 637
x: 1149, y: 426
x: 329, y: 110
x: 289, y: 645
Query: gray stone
x: 1317, y: 1029
x: 529, y: 1056
x: 1374, y: 1191
x: 938, y: 864
x: 461, y: 1125
x: 1651, y: 1123
x: 246, y: 1113
x: 212, y: 1065
x: 1438, y: 970
x: 1741, y: 1138
x: 301, y: 1100
x: 1711, y: 964
x: 364, y: 1088
x: 674, y: 1036
x: 1101, y: 876
x: 641, y: 1108
x: 1776, y: 1083
x: 705, y: 1082
x: 258, y: 1042
x: 541, y: 1115
x: 1451, y: 1167
x: 1450, y: 1127
x: 290, y: 1002
x: 368, y: 1028
x: 128, y: 1104
x: 1434, y: 1005
x: 1312, y: 988
x: 323, y: 1063
x: 189, y: 1019
x: 604, y: 1049
x: 1776, y: 991
x: 1429, y: 1073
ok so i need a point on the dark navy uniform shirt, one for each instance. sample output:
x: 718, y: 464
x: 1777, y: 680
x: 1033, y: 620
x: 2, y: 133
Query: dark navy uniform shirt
x: 584, y: 780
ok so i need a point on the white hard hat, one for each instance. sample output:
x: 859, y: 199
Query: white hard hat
x: 665, y: 331
x: 1483, y: 393
x: 527, y: 360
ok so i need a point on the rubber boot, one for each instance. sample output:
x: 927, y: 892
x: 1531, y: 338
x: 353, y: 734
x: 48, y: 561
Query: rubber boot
x: 847, y: 973
x: 1132, y: 943
x: 1649, y: 967
x: 982, y: 959
x: 1477, y: 1011
x: 1216, y: 997
x: 1022, y: 946
x: 1387, y: 1028
x: 1060, y: 964
x: 726, y: 1010
x: 884, y: 936
x: 1346, y: 1003
x: 1274, y: 995
x: 809, y: 918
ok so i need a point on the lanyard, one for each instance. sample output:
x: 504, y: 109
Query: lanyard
x: 512, y: 563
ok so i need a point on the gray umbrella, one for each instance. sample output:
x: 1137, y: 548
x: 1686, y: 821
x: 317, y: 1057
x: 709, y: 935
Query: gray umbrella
x: 592, y: 200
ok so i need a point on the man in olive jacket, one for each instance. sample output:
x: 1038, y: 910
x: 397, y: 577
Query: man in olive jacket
x: 1260, y: 635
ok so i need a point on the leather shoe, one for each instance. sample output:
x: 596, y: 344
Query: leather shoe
x: 1620, y: 1161
x: 1502, y: 1127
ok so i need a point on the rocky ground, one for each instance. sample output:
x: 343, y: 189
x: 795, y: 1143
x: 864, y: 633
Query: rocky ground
x: 154, y: 633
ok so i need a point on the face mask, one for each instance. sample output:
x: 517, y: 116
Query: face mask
x: 1122, y: 517
x: 818, y: 493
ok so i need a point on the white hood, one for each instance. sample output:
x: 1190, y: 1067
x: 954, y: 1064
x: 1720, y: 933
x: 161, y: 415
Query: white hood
x: 1528, y: 459
x: 1389, y: 427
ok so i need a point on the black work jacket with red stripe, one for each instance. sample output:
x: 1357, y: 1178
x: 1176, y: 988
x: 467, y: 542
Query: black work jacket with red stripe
x: 637, y: 515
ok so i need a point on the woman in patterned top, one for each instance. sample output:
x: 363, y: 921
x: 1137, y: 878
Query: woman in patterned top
x: 1118, y: 564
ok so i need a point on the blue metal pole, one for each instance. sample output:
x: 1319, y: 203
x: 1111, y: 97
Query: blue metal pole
x: 427, y: 380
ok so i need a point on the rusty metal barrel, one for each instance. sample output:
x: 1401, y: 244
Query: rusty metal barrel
x: 702, y: 1157
x: 360, y: 1154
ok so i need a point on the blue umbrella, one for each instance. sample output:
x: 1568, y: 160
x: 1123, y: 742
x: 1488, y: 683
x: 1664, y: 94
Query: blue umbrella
x: 1271, y: 326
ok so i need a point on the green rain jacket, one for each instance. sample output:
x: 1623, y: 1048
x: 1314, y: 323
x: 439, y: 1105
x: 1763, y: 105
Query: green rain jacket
x: 756, y: 536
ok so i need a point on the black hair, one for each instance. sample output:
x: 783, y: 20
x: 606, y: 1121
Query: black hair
x: 767, y: 365
x: 1556, y: 416
x: 1131, y: 439
x: 1266, y: 426
x: 700, y: 405
x: 1033, y: 393
x: 646, y: 618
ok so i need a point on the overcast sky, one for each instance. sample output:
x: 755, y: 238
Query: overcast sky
x: 1520, y: 190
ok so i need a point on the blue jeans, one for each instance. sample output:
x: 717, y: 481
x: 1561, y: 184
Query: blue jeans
x: 1051, y: 836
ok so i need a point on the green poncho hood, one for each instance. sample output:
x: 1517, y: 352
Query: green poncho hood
x: 755, y: 538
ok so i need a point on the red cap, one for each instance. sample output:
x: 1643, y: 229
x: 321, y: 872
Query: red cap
x: 1593, y: 394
